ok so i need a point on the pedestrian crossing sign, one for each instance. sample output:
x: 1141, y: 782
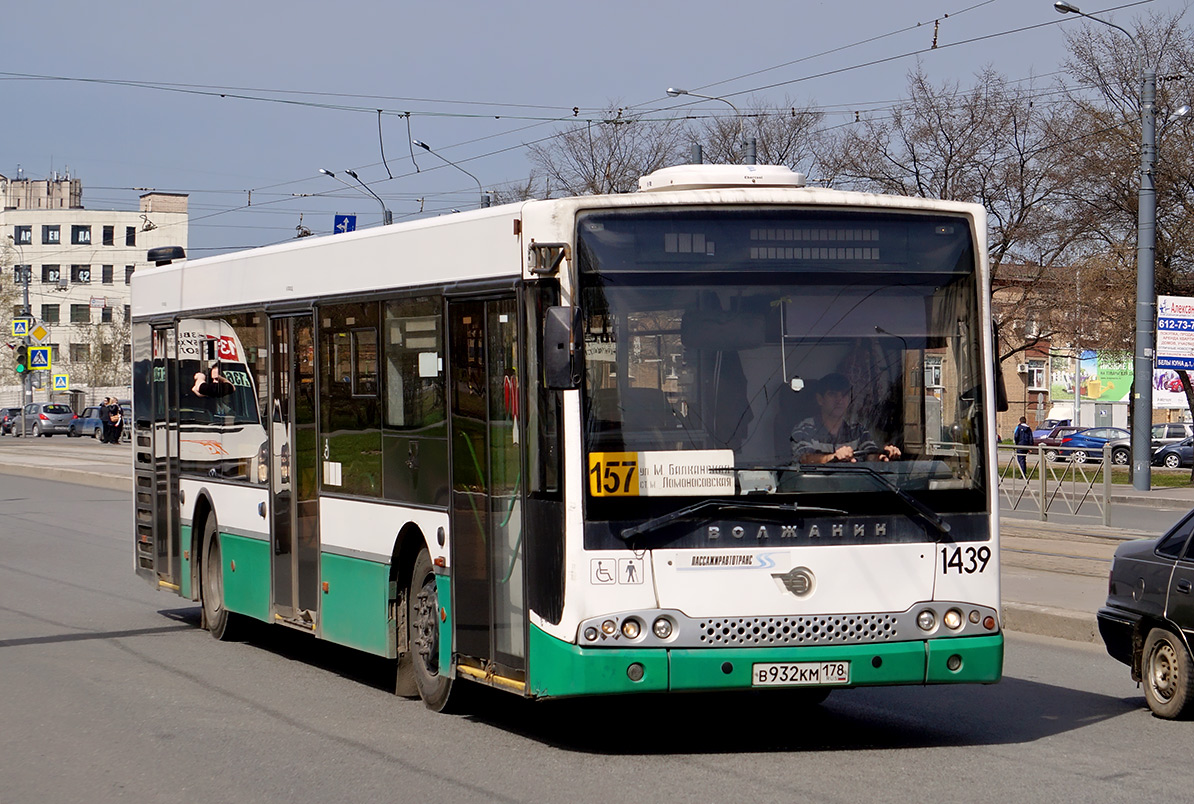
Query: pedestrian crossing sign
x: 39, y: 358
x: 61, y: 382
x: 20, y: 327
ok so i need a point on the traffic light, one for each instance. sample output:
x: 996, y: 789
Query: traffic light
x: 22, y: 358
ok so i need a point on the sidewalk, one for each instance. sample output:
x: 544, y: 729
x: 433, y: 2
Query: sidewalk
x: 1054, y: 577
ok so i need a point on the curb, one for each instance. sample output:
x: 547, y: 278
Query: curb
x: 80, y: 476
x: 1076, y: 626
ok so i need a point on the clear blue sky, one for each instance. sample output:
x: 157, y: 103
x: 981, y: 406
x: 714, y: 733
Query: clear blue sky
x: 302, y: 82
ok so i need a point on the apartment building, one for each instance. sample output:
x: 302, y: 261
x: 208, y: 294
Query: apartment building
x: 72, y: 266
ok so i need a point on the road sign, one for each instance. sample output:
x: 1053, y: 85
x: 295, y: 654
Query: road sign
x: 20, y: 327
x: 345, y: 223
x: 39, y: 333
x: 61, y: 382
x: 39, y: 358
x: 1175, y: 332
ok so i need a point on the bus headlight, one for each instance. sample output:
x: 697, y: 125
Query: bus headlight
x: 609, y: 628
x: 662, y: 627
x: 952, y: 619
x: 926, y: 620
x: 631, y: 628
x: 263, y: 463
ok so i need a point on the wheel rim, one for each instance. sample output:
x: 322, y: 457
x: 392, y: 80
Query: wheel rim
x: 1079, y: 457
x: 1163, y: 672
x: 425, y: 628
x: 213, y: 580
x: 1172, y: 461
x: 1120, y: 458
x: 1051, y: 455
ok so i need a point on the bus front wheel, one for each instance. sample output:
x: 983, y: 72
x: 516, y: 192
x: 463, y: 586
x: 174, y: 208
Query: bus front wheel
x: 433, y: 683
x: 218, y: 620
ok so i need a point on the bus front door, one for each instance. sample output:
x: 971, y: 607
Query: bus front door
x: 294, y: 534
x: 486, y: 502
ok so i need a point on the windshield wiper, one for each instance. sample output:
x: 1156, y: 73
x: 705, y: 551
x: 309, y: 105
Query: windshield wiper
x: 658, y: 522
x: 922, y: 511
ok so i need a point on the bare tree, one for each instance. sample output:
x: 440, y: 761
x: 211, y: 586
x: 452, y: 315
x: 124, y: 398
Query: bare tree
x: 783, y: 136
x: 607, y: 156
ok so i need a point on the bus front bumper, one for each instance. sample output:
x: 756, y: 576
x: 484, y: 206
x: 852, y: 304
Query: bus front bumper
x: 560, y: 669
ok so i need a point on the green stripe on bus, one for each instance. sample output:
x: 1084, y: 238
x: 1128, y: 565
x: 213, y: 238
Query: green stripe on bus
x: 184, y: 583
x: 443, y: 591
x: 354, y: 611
x: 981, y: 660
x: 558, y: 668
x: 246, y: 588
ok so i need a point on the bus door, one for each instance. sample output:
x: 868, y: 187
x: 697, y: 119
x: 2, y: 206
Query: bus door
x: 486, y: 501
x: 294, y: 532
x: 155, y: 447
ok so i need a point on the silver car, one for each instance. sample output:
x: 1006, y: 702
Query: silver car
x: 1162, y: 435
x: 44, y: 418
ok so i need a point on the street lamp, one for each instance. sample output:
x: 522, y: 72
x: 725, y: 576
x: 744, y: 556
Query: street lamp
x: 387, y: 217
x: 1146, y: 246
x: 427, y: 148
x: 676, y: 92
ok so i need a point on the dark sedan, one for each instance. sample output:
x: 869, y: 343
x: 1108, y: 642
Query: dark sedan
x: 1085, y: 444
x: 1148, y: 620
x: 1053, y: 439
x: 1175, y: 455
x: 7, y: 417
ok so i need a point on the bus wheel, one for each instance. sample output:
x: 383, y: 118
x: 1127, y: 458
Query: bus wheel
x: 423, y: 621
x: 221, y: 622
x: 1167, y: 673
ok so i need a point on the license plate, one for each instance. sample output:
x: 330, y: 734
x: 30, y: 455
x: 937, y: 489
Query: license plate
x: 796, y: 674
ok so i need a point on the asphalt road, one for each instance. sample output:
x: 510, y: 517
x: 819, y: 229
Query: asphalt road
x: 111, y: 693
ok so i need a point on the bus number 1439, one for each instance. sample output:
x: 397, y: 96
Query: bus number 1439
x: 964, y: 560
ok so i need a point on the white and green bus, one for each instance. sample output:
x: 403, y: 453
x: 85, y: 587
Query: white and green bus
x: 559, y: 447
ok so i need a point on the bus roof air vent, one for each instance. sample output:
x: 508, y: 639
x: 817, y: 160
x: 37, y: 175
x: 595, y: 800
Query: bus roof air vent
x: 705, y: 177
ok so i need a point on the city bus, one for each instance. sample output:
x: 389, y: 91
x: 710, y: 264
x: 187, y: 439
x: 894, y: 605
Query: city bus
x: 558, y: 447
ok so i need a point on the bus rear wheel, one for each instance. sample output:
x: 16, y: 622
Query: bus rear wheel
x: 218, y: 620
x: 432, y: 681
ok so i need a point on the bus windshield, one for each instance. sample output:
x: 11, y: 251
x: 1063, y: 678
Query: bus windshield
x: 736, y: 353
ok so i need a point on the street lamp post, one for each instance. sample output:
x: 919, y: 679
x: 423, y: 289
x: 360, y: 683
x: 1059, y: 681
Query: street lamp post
x: 427, y: 148
x: 676, y: 92
x: 1146, y: 246
x: 387, y: 217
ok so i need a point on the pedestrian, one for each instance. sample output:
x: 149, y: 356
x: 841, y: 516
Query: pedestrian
x: 105, y: 420
x: 115, y: 419
x: 1023, y: 438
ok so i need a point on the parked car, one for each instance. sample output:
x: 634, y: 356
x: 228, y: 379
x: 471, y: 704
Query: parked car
x: 87, y: 423
x: 1162, y: 435
x: 1085, y: 444
x: 7, y: 417
x: 1149, y: 615
x: 1053, y: 439
x: 44, y: 418
x: 1046, y: 427
x: 1176, y: 455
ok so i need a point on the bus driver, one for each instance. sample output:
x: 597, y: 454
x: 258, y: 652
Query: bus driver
x: 829, y: 436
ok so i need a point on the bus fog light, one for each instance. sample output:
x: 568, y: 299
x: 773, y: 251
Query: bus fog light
x: 662, y: 628
x: 952, y: 619
x: 635, y: 672
x: 954, y: 663
x: 926, y: 620
x: 590, y: 633
x: 609, y: 628
x: 631, y: 628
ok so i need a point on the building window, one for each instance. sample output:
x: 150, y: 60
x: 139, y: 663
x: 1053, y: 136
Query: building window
x: 128, y: 274
x: 80, y: 352
x: 106, y: 274
x: 50, y: 236
x: 1036, y: 375
x: 80, y: 313
x: 109, y: 235
x: 128, y: 352
x: 51, y: 274
x: 22, y: 274
x: 55, y: 353
x: 130, y: 235
x: 128, y: 315
x: 80, y: 274
x: 49, y: 314
x: 106, y: 315
x: 932, y: 372
x: 22, y: 235
x: 106, y: 352
x: 80, y: 235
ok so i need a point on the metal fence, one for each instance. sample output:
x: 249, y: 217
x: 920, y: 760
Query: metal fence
x: 1070, y: 483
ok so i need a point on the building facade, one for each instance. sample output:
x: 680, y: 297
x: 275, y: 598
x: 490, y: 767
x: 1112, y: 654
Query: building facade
x: 68, y: 268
